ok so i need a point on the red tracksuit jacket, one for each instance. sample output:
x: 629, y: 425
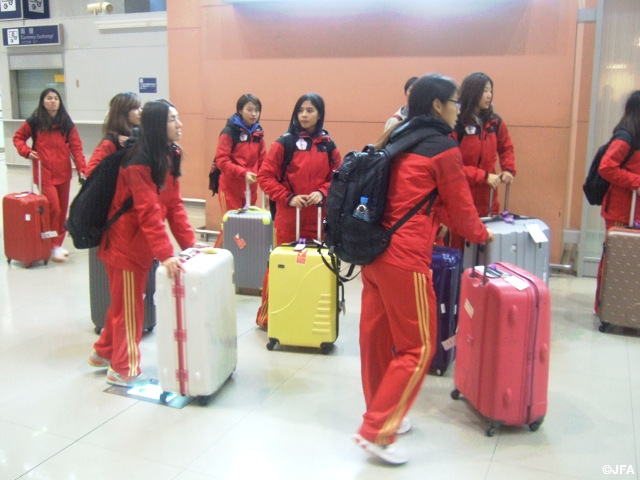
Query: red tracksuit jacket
x: 55, y: 152
x: 234, y: 163
x: 434, y: 163
x: 140, y: 235
x: 310, y: 170
x: 481, y: 148
x: 616, y: 205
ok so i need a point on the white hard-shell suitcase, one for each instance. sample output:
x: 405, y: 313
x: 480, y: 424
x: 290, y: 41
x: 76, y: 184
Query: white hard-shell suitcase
x: 196, y: 324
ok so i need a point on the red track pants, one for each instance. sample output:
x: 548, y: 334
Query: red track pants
x: 58, y: 197
x: 398, y: 312
x: 120, y: 338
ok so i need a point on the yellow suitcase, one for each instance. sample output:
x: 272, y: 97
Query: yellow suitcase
x: 303, y: 298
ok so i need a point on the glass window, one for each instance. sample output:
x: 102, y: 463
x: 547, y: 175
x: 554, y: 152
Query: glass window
x: 31, y: 83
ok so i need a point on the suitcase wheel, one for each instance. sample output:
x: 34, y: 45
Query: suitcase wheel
x: 8, y: 260
x: 163, y: 397
x: 491, y: 430
x: 98, y: 330
x: 536, y: 425
x: 27, y: 265
x: 203, y: 400
x: 326, y: 348
x: 603, y: 327
x: 456, y: 395
x: 271, y: 344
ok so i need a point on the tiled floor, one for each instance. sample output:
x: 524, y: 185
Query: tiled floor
x: 289, y: 415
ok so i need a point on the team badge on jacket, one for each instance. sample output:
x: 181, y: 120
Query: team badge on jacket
x: 470, y: 129
x: 301, y: 144
x: 244, y: 137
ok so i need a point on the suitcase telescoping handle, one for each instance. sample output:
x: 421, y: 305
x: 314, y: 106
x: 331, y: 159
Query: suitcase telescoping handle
x: 39, y: 177
x: 319, y: 223
x: 632, y: 213
x: 506, y: 199
x: 476, y: 261
x: 247, y: 197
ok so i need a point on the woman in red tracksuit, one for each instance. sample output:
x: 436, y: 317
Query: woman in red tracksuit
x: 241, y: 150
x: 120, y: 127
x: 398, y: 320
x: 616, y: 205
x: 149, y: 175
x: 484, y: 141
x: 313, y: 158
x: 56, y: 142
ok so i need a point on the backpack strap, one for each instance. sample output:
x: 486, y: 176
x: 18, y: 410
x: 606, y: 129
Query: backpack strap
x: 626, y: 136
x: 431, y: 198
x: 288, y: 142
x: 126, y: 206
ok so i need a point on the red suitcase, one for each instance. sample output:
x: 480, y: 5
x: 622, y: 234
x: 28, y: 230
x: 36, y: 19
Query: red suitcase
x: 26, y: 227
x: 502, y: 356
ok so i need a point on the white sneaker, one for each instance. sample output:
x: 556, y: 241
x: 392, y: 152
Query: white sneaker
x: 405, y: 426
x: 389, y: 453
x: 57, y: 254
x: 64, y: 251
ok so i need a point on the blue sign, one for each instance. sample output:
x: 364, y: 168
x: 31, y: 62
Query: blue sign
x: 148, y: 85
x: 10, y: 9
x: 35, y: 8
x: 16, y: 9
x: 40, y: 35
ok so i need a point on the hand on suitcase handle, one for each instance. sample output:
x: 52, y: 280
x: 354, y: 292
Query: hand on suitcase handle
x: 491, y: 237
x: 173, y: 266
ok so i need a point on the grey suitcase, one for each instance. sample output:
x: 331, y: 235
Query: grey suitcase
x: 248, y: 235
x: 521, y: 241
x: 100, y: 297
x: 619, y: 292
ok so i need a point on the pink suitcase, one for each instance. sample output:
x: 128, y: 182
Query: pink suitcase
x: 502, y: 356
x: 26, y: 229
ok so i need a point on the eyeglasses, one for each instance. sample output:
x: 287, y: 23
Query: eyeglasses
x: 456, y: 102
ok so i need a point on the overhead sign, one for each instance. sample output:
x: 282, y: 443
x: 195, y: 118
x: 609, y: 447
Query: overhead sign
x: 148, y: 85
x: 12, y: 9
x: 37, y: 35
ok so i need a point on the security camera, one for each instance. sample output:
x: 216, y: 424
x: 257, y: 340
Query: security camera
x: 98, y: 7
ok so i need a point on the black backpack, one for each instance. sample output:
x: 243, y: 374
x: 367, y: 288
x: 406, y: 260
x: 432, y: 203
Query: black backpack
x: 595, y: 187
x: 366, y: 174
x: 214, y: 173
x: 89, y: 211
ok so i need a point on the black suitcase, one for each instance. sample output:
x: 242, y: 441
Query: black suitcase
x: 100, y: 297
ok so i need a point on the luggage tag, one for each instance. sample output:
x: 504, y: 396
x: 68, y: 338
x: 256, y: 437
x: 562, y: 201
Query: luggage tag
x: 514, y: 281
x: 536, y: 233
x: 239, y: 241
x: 301, y: 248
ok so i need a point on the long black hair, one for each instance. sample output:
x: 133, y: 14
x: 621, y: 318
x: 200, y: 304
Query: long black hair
x: 631, y: 118
x: 153, y: 143
x: 45, y: 122
x: 471, y: 92
x: 317, y: 101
